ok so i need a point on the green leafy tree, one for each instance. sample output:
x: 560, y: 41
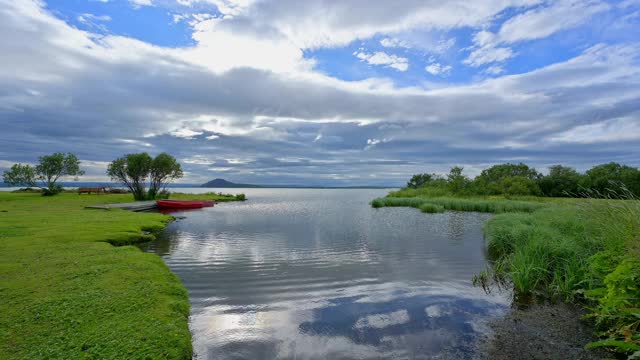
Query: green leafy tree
x: 498, y: 172
x: 518, y: 185
x: 49, y: 170
x: 562, y: 181
x: 610, y: 177
x: 20, y: 175
x: 134, y: 170
x: 164, y: 169
x: 457, y: 182
x: 420, y: 180
x: 493, y: 181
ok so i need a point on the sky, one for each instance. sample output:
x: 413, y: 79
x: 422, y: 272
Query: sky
x: 321, y: 92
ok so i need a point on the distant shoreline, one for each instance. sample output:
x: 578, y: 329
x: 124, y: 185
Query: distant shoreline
x: 97, y: 184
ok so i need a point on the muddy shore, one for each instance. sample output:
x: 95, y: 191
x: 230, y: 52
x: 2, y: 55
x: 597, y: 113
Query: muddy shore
x: 544, y: 331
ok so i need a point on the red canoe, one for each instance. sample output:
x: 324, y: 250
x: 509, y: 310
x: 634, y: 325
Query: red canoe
x: 183, y: 204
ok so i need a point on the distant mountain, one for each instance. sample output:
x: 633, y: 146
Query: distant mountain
x: 222, y: 183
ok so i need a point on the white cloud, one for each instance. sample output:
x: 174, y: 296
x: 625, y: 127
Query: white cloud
x: 140, y: 3
x: 536, y: 23
x: 220, y: 48
x: 488, y: 54
x: 544, y: 21
x: 226, y: 7
x: 320, y: 23
x: 622, y: 129
x: 373, y: 142
x: 494, y: 70
x: 382, y: 58
x: 394, y: 43
x: 84, y: 18
x: 438, y: 69
x: 185, y: 133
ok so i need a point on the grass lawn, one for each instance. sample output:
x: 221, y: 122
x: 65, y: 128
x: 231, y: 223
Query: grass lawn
x: 67, y: 293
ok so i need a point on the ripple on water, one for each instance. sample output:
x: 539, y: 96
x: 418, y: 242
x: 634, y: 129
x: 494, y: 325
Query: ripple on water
x: 317, y: 274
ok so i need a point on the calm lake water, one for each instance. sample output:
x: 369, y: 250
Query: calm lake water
x: 319, y: 274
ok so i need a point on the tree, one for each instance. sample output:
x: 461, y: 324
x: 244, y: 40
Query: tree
x: 498, y: 172
x: 49, y: 170
x: 456, y: 181
x: 20, y: 175
x: 562, y: 181
x: 419, y: 180
x: 52, y: 167
x: 133, y: 170
x: 496, y: 180
x: 610, y: 177
x: 519, y: 185
x: 164, y: 168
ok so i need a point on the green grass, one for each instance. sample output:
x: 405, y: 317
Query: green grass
x: 587, y: 253
x: 67, y: 293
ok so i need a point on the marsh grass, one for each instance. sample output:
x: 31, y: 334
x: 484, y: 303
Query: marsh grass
x: 430, y: 205
x: 586, y: 252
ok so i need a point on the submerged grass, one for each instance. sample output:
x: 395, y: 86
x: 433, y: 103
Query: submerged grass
x: 67, y: 293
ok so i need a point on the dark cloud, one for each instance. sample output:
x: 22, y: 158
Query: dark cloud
x: 62, y: 89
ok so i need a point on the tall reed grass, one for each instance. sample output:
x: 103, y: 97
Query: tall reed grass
x: 586, y: 252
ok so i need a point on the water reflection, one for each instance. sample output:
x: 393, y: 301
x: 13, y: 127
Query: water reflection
x: 317, y: 274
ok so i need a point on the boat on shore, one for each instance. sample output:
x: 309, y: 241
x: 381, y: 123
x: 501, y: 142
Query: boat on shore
x: 184, y: 204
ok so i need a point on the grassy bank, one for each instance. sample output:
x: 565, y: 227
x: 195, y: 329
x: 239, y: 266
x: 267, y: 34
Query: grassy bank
x: 583, y: 251
x: 588, y: 253
x: 67, y: 293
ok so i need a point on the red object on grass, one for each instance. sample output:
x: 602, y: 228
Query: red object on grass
x: 184, y: 204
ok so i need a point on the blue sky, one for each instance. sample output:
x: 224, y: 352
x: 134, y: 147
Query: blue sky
x: 321, y: 92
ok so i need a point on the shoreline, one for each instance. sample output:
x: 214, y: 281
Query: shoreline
x: 550, y: 331
x: 74, y: 287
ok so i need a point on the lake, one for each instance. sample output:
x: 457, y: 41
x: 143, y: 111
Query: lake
x: 319, y: 274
